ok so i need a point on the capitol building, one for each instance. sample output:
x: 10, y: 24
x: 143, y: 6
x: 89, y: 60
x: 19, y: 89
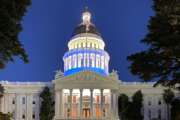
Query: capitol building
x: 85, y: 90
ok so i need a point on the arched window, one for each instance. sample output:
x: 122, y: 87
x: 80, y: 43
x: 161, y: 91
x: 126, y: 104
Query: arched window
x: 149, y: 114
x: 97, y: 61
x: 69, y: 62
x: 93, y: 46
x: 159, y: 114
x: 74, y: 61
x: 75, y: 45
x: 79, y: 60
x: 90, y: 45
x: 106, y: 94
x: 75, y: 101
x: 66, y: 101
x: 86, y: 92
x: 65, y: 64
x: 79, y: 45
x: 97, y: 102
x: 66, y: 93
x: 87, y: 59
x: 92, y: 57
x: 102, y: 62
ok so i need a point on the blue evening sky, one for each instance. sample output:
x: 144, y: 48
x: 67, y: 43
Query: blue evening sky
x: 48, y: 25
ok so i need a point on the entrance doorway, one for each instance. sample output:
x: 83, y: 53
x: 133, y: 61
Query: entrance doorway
x: 86, y: 112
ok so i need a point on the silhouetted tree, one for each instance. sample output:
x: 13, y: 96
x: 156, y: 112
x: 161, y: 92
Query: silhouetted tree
x: 175, y: 109
x: 131, y: 110
x: 47, y: 105
x: 123, y: 102
x: 137, y: 105
x: 11, y: 14
x: 168, y: 97
x: 161, y: 60
x: 1, y: 91
x: 5, y: 116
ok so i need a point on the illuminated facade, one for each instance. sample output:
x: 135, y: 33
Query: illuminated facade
x: 85, y: 90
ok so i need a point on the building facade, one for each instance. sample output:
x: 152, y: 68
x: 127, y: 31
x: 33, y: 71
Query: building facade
x: 85, y: 90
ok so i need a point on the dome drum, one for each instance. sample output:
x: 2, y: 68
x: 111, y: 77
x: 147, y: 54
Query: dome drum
x: 86, y: 41
x: 79, y: 60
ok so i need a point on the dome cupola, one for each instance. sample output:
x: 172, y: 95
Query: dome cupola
x: 86, y: 49
x: 86, y: 26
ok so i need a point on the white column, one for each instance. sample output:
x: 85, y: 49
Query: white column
x: 18, y: 104
x: 29, y: 106
x: 101, y: 102
x: 91, y: 90
x: 112, y: 109
x: 81, y: 90
x: 116, y: 108
x: 70, y: 103
x: 110, y: 102
x: 57, y: 110
x: 2, y: 104
x: 60, y: 103
x: 38, y: 107
x: 115, y: 104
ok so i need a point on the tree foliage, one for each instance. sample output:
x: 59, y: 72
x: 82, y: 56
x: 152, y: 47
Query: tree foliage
x: 11, y: 15
x: 161, y: 60
x: 175, y: 109
x: 5, y: 116
x: 168, y: 97
x: 131, y: 110
x: 135, y: 107
x: 47, y: 105
x: 123, y: 106
x: 137, y: 100
x: 1, y: 91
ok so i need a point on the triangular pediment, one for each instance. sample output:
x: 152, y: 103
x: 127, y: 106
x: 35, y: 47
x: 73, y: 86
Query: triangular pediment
x: 86, y: 79
x: 86, y: 75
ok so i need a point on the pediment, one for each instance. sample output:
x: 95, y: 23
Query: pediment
x: 86, y: 79
x: 86, y: 75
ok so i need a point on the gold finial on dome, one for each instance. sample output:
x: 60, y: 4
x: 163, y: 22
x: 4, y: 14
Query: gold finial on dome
x: 86, y: 16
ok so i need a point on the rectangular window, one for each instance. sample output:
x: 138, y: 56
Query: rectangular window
x: 23, y: 116
x: 102, y: 62
x: 159, y: 114
x: 149, y: 114
x: 33, y: 102
x: 33, y: 116
x: 92, y: 60
x: 23, y: 100
x: 13, y: 101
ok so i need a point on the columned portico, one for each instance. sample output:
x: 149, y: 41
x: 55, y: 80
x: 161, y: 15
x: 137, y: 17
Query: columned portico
x: 82, y: 104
